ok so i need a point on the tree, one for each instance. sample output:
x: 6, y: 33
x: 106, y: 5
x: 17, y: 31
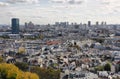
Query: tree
x: 119, y: 67
x: 1, y: 60
x: 21, y: 50
x: 99, y: 68
x: 46, y: 73
x: 41, y: 36
x: 100, y: 40
x: 28, y: 75
x: 10, y: 71
x: 21, y: 65
x: 107, y: 67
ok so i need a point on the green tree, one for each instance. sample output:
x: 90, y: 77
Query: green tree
x: 1, y: 60
x: 98, y: 40
x: 99, y: 68
x: 23, y: 66
x: 107, y: 67
x: 46, y: 73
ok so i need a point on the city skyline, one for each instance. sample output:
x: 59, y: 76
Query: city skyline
x: 50, y: 11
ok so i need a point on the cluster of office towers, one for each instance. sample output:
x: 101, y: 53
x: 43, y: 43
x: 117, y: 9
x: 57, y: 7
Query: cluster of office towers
x: 15, y: 25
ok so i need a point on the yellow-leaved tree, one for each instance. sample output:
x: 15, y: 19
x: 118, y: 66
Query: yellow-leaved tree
x: 21, y: 50
x: 10, y: 71
x: 28, y: 75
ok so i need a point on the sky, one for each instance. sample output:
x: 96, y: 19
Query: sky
x: 50, y: 11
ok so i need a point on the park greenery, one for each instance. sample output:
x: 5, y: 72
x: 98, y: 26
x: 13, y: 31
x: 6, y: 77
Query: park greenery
x: 106, y: 67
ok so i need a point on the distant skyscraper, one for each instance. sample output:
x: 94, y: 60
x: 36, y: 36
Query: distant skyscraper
x: 89, y: 23
x: 57, y: 24
x: 26, y: 24
x: 102, y: 23
x: 30, y: 25
x: 15, y: 26
x: 105, y: 23
x: 97, y: 23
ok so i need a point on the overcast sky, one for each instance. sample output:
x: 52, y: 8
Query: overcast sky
x: 50, y: 11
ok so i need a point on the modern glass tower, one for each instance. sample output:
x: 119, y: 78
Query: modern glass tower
x: 15, y: 26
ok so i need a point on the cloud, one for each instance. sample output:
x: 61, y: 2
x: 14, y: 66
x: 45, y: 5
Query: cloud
x: 57, y: 1
x: 3, y: 4
x: 60, y: 10
x: 75, y: 1
x: 37, y: 17
x: 110, y: 2
x: 22, y: 1
x: 68, y: 1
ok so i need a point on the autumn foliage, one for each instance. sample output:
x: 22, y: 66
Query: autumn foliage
x: 48, y: 73
x: 10, y: 71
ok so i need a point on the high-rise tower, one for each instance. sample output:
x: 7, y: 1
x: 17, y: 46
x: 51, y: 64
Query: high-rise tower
x: 15, y: 26
x: 89, y: 23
